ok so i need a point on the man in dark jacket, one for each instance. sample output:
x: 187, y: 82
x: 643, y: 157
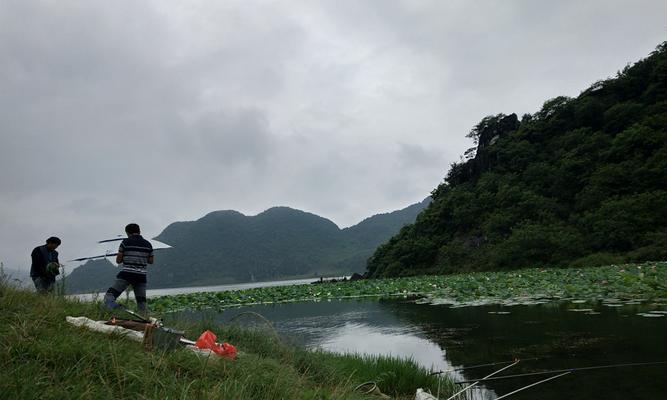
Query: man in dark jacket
x: 134, y: 255
x: 45, y: 265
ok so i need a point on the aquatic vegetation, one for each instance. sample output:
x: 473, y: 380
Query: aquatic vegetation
x: 614, y: 284
x: 650, y: 315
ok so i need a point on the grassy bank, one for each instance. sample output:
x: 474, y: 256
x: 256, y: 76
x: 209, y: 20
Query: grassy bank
x: 41, y: 356
x: 628, y: 281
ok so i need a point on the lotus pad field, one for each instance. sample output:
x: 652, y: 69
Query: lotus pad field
x: 622, y: 282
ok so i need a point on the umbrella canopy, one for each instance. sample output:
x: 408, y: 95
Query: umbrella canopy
x: 109, y: 248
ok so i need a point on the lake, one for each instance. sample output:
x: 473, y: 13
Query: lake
x: 547, y: 336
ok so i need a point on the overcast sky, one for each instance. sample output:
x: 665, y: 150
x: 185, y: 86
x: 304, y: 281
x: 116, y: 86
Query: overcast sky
x: 156, y: 111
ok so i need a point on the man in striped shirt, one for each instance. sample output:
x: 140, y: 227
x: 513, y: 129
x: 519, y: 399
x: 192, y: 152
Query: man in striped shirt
x: 134, y: 254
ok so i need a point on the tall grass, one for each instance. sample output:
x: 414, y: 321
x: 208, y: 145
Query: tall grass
x: 41, y: 356
x: 394, y: 376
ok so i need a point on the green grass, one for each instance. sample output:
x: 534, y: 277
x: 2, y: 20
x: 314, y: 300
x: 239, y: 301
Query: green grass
x: 41, y: 356
x: 628, y: 281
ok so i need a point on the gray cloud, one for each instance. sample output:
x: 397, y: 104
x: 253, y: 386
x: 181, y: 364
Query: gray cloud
x: 158, y: 111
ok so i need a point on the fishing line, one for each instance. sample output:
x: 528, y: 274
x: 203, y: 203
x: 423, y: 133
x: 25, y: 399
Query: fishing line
x: 532, y: 384
x: 481, y: 365
x: 557, y: 371
x: 477, y: 381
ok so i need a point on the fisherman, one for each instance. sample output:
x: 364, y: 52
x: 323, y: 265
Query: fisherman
x: 134, y: 254
x: 45, y: 265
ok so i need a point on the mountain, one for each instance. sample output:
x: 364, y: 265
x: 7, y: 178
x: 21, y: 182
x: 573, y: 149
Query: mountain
x: 227, y: 246
x: 279, y: 243
x: 362, y: 239
x: 15, y: 276
x: 93, y: 276
x: 372, y: 231
x: 581, y: 182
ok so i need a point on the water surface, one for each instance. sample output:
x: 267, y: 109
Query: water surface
x: 441, y: 337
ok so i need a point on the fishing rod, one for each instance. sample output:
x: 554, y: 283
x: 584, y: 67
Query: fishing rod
x: 476, y: 382
x: 481, y: 365
x: 127, y: 310
x: 532, y: 384
x: 557, y: 371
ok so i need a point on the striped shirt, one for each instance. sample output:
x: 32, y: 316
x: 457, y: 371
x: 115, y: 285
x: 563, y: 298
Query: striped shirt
x: 136, y: 252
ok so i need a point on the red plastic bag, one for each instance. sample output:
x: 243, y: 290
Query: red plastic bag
x: 207, y: 341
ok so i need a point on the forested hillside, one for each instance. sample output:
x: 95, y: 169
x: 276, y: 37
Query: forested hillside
x: 583, y: 181
x: 279, y: 243
x: 229, y: 246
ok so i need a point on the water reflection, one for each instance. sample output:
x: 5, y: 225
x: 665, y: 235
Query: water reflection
x: 559, y: 338
x: 360, y: 338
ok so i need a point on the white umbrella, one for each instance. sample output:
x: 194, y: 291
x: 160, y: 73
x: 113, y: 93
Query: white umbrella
x: 109, y: 248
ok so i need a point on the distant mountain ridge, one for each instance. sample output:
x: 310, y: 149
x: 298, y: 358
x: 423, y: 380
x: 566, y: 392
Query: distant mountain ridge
x: 15, y: 276
x: 280, y: 243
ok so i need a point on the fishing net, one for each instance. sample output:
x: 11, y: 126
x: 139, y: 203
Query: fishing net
x: 251, y: 321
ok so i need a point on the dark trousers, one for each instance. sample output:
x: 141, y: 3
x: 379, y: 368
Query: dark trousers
x: 44, y: 284
x: 121, y: 285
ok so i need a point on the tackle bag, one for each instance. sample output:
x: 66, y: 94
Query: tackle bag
x: 207, y: 341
